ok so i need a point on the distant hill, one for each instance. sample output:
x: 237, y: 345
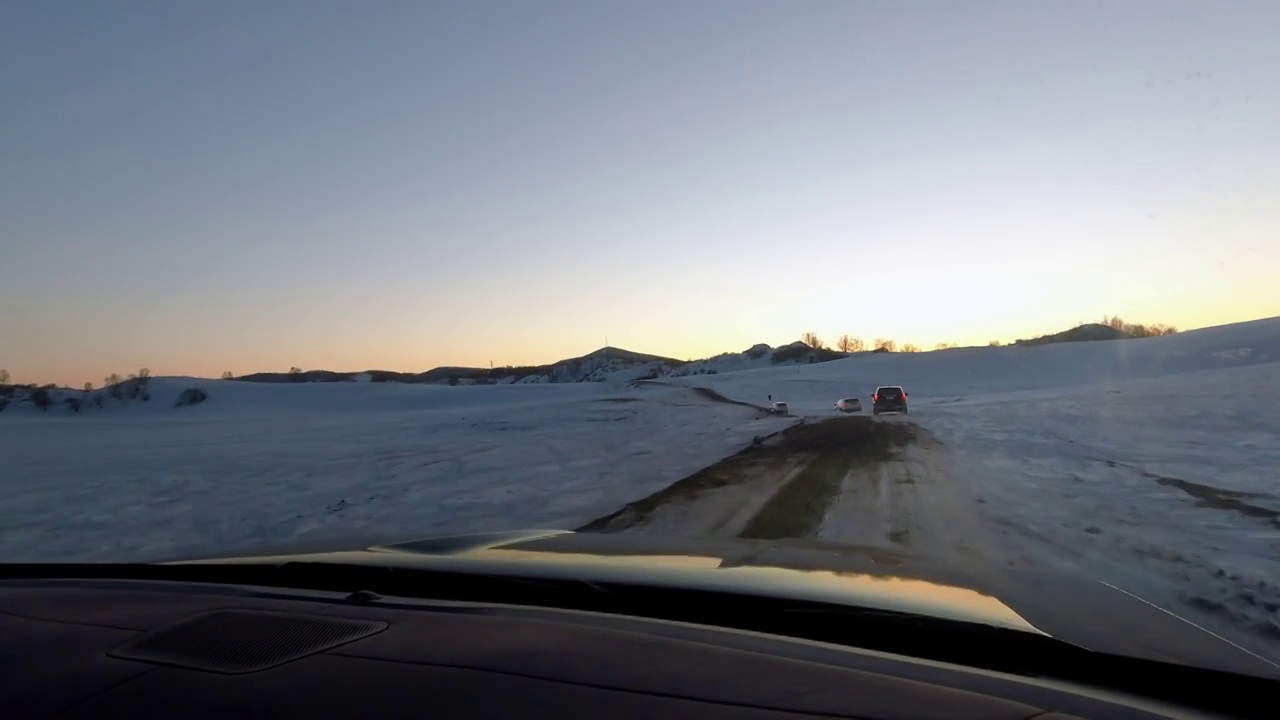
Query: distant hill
x: 757, y: 356
x: 1083, y: 333
x: 1071, y: 360
x: 606, y: 364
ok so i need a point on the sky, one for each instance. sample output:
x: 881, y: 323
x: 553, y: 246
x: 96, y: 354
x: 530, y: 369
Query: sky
x: 195, y: 187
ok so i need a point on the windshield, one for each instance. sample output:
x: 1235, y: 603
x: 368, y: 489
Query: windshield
x: 278, y: 276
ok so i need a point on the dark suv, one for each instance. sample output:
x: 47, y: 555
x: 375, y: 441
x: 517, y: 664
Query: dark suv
x: 889, y: 398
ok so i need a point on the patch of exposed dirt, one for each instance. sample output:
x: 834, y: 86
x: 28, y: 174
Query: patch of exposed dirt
x: 1212, y: 497
x: 713, y: 396
x: 1219, y: 499
x: 702, y: 392
x: 780, y: 487
x: 835, y: 448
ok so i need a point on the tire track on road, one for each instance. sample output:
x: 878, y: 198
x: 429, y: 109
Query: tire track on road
x: 783, y: 486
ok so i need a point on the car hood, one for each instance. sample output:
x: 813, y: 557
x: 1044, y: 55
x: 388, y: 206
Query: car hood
x: 1093, y: 615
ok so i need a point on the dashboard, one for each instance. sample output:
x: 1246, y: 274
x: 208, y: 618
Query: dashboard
x: 100, y: 648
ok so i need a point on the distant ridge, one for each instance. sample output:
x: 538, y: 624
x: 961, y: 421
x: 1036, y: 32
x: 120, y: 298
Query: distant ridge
x: 1083, y: 333
x: 604, y: 364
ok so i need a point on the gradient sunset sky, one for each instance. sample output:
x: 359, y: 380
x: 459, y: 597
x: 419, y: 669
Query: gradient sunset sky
x: 249, y: 185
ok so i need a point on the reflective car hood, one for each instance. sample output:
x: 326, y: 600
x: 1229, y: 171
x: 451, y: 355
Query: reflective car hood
x: 1095, y: 616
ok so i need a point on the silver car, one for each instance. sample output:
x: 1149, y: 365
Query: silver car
x: 849, y: 405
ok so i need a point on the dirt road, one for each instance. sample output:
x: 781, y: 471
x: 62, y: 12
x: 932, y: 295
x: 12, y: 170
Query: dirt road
x: 872, y: 482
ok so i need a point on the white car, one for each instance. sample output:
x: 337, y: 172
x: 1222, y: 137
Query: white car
x: 779, y: 408
x: 849, y: 405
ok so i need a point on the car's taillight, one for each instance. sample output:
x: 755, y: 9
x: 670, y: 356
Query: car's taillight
x: 875, y: 398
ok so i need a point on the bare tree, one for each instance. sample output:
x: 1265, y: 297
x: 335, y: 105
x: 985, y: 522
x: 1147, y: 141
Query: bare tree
x: 144, y: 373
x: 911, y: 348
x: 295, y: 374
x: 4, y: 377
x: 88, y: 387
x: 1113, y: 321
x: 112, y: 379
x: 226, y: 375
x: 1137, y: 330
x: 850, y: 344
x: 995, y: 343
x: 811, y: 339
x: 944, y: 346
x: 886, y: 345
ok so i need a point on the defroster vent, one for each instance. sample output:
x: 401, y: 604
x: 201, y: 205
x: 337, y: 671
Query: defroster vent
x: 244, y: 641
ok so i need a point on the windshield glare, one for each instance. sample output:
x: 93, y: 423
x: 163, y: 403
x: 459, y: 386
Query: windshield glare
x: 368, y: 278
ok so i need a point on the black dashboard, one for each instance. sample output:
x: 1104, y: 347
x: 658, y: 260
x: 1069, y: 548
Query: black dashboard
x: 106, y: 648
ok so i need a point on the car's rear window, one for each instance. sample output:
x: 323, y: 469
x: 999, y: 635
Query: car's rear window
x: 891, y: 391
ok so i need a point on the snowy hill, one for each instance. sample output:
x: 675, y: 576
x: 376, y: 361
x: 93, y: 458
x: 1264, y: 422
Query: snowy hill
x: 1084, y: 333
x: 601, y: 365
x: 758, y: 356
x: 970, y: 373
x: 615, y: 365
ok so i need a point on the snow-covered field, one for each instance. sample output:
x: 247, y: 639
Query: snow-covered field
x: 1153, y: 465
x: 264, y: 464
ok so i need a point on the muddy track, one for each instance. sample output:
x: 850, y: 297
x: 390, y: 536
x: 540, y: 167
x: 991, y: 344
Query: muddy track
x: 780, y: 487
x: 704, y: 393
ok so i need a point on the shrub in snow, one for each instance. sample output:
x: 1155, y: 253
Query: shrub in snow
x: 795, y: 352
x: 191, y: 396
x: 74, y: 403
x: 40, y: 398
x: 135, y: 388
